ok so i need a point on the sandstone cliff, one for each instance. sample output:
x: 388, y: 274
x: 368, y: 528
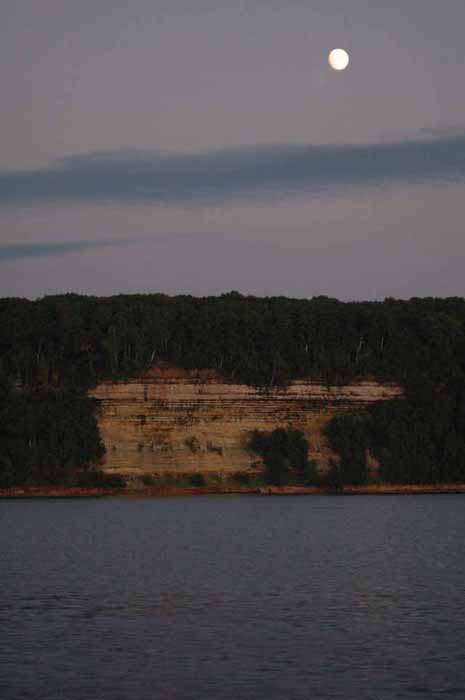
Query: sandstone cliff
x: 174, y: 420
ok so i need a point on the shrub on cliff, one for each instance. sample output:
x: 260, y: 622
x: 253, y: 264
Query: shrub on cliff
x: 95, y: 478
x: 242, y: 478
x: 284, y: 452
x: 197, y: 480
x: 348, y: 437
x: 148, y: 480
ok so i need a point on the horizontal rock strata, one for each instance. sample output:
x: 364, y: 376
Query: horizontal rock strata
x: 174, y: 420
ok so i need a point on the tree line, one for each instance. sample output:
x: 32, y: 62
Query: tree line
x: 54, y: 349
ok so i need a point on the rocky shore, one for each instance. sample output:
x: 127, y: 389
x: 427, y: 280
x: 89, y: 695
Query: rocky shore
x: 160, y: 491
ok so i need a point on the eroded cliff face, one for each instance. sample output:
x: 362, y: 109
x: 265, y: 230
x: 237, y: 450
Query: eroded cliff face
x: 174, y: 420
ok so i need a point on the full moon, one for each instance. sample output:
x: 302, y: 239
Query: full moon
x: 338, y: 59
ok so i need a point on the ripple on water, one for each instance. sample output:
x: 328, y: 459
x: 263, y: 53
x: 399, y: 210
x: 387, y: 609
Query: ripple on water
x: 245, y: 597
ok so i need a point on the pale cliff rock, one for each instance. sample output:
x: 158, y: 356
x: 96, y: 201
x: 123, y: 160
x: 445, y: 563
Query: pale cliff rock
x: 174, y: 420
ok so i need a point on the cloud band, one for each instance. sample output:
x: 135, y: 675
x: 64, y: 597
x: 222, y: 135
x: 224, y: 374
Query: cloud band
x: 236, y: 174
x: 40, y: 250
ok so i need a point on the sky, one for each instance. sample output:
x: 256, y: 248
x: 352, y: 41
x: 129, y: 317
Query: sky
x: 199, y: 147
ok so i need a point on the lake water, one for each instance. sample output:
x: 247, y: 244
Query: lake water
x: 354, y: 597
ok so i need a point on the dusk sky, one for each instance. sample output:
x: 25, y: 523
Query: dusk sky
x: 203, y: 146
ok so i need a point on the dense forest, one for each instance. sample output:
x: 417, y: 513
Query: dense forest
x: 46, y: 436
x: 54, y: 349
x: 416, y: 440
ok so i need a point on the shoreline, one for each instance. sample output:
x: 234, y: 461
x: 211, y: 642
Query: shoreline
x: 26, y: 492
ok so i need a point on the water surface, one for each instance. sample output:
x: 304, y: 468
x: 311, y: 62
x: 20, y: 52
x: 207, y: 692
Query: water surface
x: 354, y: 597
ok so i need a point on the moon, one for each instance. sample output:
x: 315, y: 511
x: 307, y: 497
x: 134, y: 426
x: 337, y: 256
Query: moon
x: 338, y: 59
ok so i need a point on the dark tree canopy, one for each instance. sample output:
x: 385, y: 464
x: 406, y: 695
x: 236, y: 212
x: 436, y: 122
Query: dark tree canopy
x: 416, y: 440
x: 76, y: 340
x: 46, y: 435
x: 285, y: 455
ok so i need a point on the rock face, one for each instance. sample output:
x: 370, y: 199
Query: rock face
x: 174, y: 420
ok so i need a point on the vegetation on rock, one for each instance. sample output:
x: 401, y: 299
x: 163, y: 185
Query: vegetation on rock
x: 285, y: 456
x: 416, y: 440
x: 54, y: 349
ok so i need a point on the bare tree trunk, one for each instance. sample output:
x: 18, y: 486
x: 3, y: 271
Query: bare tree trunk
x: 360, y: 345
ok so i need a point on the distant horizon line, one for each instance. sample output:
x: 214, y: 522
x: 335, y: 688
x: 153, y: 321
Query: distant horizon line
x: 234, y: 294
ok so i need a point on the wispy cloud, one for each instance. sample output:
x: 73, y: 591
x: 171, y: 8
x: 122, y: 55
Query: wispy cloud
x: 241, y: 173
x: 41, y: 250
